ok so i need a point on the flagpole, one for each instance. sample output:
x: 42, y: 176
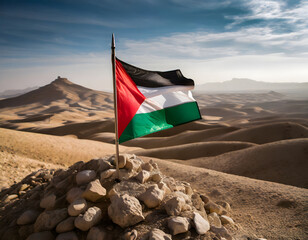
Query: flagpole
x: 113, y: 60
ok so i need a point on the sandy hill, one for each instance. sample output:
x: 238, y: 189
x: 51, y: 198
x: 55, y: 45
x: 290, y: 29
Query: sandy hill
x: 60, y: 102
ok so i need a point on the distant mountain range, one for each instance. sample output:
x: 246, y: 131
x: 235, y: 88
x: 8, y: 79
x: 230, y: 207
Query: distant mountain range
x: 16, y: 92
x: 248, y: 85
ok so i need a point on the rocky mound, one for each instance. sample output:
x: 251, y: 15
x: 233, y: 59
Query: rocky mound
x: 89, y: 201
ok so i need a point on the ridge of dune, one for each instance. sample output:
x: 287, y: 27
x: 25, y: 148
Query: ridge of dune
x: 53, y: 149
x: 193, y: 150
x: 283, y: 161
x: 184, y: 137
x: 266, y: 133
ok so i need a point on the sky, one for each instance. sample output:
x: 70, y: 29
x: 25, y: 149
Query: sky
x: 209, y: 40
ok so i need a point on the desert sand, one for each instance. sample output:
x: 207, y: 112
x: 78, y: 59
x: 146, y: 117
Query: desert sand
x: 250, y: 149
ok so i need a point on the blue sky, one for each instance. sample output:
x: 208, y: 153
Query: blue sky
x: 209, y: 41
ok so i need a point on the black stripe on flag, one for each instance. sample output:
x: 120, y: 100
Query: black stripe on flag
x: 154, y: 79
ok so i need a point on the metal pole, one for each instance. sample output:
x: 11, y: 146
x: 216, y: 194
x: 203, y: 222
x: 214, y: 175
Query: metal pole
x: 113, y: 60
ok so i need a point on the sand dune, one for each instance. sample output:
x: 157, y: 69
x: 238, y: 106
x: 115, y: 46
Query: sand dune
x: 194, y: 150
x: 266, y: 133
x: 53, y: 149
x: 180, y: 138
x: 283, y: 162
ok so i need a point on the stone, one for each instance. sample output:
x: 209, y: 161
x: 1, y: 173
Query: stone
x: 73, y: 194
x: 225, y: 205
x: 125, y: 210
x: 133, y: 164
x: 77, y: 207
x: 131, y: 235
x: 94, y: 191
x: 213, y: 207
x: 122, y: 160
x: 154, y: 164
x: 46, y: 235
x: 174, y: 206
x: 204, y: 198
x: 147, y: 166
x: 152, y: 197
x: 157, y: 234
x: 49, y: 219
x: 156, y: 177
x: 221, y: 232
x: 27, y: 217
x: 48, y: 202
x: 85, y: 176
x: 66, y: 225
x: 67, y: 236
x: 103, y: 165
x: 143, y: 176
x: 25, y: 230
x: 201, y: 225
x: 163, y: 186
x: 226, y: 220
x: 96, y: 233
x: 90, y: 218
x: 9, y: 198
x: 178, y: 225
x: 24, y: 187
x: 107, y: 174
x: 214, y: 220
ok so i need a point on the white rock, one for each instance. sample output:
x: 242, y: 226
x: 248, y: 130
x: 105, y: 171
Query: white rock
x: 122, y: 160
x: 96, y: 233
x: 107, y: 174
x: 214, y: 220
x: 49, y: 219
x: 27, y: 217
x: 91, y: 217
x: 46, y: 235
x: 48, y: 202
x: 133, y: 164
x: 85, y: 176
x: 226, y: 220
x: 152, y: 196
x: 73, y: 194
x: 157, y: 234
x: 178, y: 225
x: 174, y: 206
x: 132, y: 235
x: 77, y: 207
x: 143, y: 176
x: 125, y: 210
x: 66, y: 225
x: 67, y: 236
x: 94, y: 191
x: 201, y: 225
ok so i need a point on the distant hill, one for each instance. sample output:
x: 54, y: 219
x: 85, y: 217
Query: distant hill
x: 248, y: 85
x: 62, y: 90
x: 16, y: 92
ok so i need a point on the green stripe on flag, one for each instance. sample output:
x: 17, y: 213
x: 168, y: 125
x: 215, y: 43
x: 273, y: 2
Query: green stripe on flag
x: 146, y: 123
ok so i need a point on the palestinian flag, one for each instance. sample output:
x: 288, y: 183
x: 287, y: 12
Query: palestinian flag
x: 150, y: 101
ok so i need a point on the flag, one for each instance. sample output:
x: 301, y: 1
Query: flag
x: 151, y: 101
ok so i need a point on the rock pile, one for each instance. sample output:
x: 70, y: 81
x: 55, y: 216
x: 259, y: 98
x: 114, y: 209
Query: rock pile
x: 91, y: 201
